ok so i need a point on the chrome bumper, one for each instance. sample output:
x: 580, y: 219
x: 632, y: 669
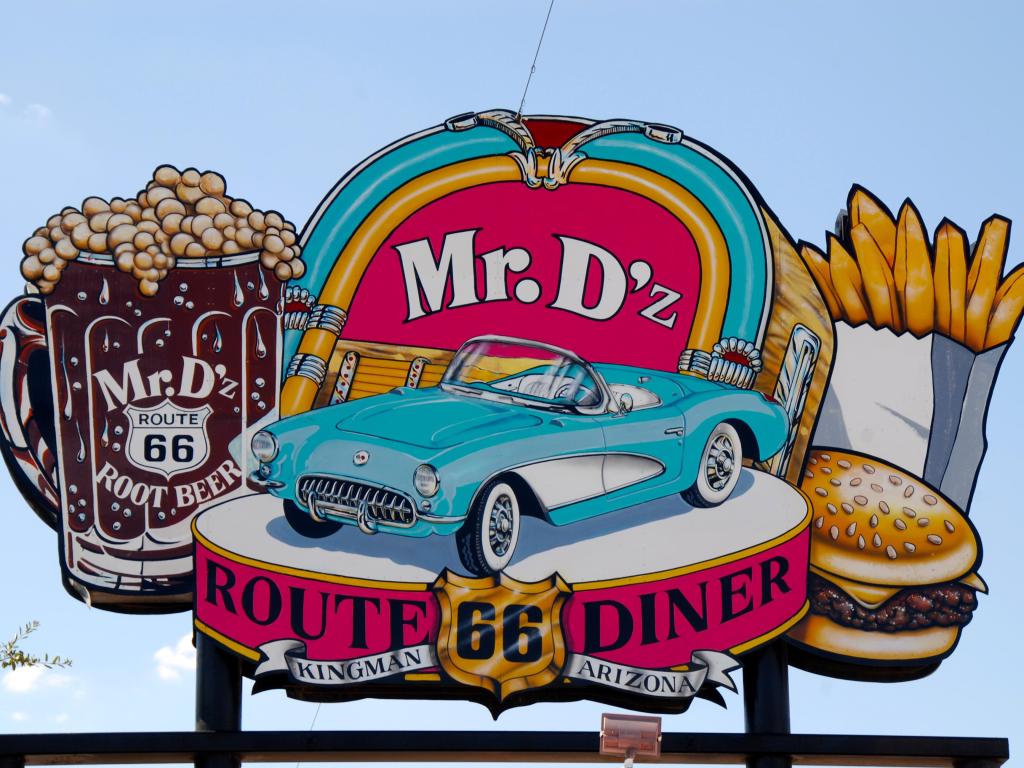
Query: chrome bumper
x: 264, y: 482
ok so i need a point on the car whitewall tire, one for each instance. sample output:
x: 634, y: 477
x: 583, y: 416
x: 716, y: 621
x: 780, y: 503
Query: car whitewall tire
x: 719, y: 468
x: 488, y: 539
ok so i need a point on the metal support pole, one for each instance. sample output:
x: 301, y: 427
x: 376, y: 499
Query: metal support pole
x: 218, y: 697
x: 766, y: 698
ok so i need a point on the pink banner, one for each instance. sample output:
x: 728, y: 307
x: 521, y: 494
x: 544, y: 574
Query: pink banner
x: 654, y: 623
x: 252, y: 606
x: 661, y: 623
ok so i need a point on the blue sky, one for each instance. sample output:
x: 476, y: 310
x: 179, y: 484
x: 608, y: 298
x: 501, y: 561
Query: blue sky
x: 911, y: 99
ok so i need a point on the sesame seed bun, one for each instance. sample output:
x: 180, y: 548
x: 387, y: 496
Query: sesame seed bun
x: 888, y: 553
x: 876, y: 524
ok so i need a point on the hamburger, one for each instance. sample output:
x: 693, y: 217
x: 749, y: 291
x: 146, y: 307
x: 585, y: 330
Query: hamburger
x: 892, y: 579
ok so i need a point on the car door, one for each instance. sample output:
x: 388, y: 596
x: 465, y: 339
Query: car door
x: 643, y: 446
x: 562, y: 461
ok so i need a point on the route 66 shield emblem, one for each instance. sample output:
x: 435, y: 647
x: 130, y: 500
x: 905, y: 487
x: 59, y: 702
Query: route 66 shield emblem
x: 167, y: 438
x: 499, y: 633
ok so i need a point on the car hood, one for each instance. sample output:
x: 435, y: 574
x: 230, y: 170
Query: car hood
x: 435, y: 419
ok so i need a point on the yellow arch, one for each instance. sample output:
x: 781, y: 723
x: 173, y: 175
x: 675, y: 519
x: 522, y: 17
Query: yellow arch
x: 299, y: 392
x: 713, y: 253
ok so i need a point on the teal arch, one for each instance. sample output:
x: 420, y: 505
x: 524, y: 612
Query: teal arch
x: 728, y: 202
x: 353, y: 198
x: 693, y: 167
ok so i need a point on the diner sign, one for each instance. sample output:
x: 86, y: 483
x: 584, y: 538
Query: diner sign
x: 531, y: 409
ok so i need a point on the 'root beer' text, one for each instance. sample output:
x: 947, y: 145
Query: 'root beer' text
x: 222, y: 479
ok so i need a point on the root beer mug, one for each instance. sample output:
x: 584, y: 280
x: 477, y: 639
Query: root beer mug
x: 154, y: 400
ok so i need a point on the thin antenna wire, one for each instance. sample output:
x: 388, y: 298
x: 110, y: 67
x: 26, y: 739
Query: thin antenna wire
x: 533, y: 66
x: 315, y: 715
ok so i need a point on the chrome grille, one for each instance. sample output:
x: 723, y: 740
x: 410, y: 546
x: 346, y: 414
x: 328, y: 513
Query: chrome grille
x: 345, y: 497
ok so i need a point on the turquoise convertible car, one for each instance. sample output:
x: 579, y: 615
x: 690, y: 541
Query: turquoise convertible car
x: 514, y: 428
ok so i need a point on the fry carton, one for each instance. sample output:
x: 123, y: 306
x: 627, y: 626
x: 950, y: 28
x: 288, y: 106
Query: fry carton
x: 921, y: 328
x: 924, y: 413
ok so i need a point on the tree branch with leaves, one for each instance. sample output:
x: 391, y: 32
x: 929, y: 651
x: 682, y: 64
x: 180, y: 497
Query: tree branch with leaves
x: 12, y: 656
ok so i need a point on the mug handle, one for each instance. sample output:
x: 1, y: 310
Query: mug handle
x: 29, y: 442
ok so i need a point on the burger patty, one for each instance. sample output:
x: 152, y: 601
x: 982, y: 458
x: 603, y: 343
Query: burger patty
x: 941, y: 605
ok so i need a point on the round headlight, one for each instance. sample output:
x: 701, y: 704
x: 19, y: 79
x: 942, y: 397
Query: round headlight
x: 264, y: 446
x: 426, y: 480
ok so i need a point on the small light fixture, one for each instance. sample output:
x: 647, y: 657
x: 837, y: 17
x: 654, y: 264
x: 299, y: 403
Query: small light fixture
x: 630, y: 737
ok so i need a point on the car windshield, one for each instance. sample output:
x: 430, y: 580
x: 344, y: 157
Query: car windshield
x: 520, y: 372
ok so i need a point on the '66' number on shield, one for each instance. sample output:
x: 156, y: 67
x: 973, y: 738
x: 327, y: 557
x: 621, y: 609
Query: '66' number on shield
x: 154, y: 448
x: 519, y: 630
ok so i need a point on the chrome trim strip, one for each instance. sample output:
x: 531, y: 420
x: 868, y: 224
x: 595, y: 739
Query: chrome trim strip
x: 664, y: 134
x: 508, y: 123
x: 599, y: 130
x: 328, y: 317
x: 256, y: 479
x: 461, y: 122
x: 346, y: 374
x: 695, y: 361
x: 308, y: 366
x: 441, y: 519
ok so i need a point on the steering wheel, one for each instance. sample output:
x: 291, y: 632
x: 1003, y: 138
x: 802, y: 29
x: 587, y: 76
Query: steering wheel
x: 583, y: 396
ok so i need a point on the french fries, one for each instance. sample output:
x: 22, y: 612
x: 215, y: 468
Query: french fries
x: 878, y: 283
x: 883, y: 271
x: 950, y: 280
x: 867, y: 210
x: 1009, y: 304
x: 912, y: 271
x: 983, y: 279
x: 849, y: 287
